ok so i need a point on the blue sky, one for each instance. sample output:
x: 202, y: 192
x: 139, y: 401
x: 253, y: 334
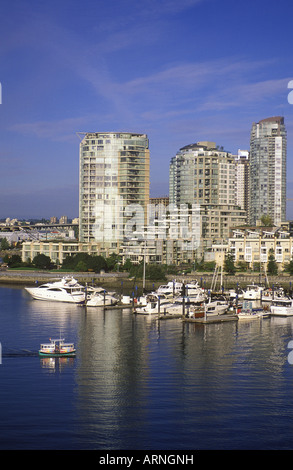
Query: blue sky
x: 180, y: 71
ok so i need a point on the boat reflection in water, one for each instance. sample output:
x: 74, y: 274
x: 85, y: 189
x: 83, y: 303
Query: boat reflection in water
x: 56, y: 364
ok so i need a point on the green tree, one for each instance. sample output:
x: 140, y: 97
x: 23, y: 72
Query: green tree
x: 289, y: 267
x: 272, y: 267
x: 93, y: 263
x: 229, y: 265
x: 4, y: 245
x: 127, y: 265
x: 242, y: 266
x: 42, y: 261
x: 155, y: 272
x: 112, y: 261
x: 13, y: 261
x: 266, y: 220
x: 97, y: 263
x: 81, y: 266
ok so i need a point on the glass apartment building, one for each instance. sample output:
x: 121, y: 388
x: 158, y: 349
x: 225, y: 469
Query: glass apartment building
x: 268, y: 149
x: 113, y: 185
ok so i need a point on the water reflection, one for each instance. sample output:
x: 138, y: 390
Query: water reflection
x: 140, y: 384
x: 56, y: 364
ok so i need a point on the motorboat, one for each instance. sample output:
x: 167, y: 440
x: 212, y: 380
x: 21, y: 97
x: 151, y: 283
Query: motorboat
x: 282, y: 307
x: 155, y: 304
x: 268, y: 295
x: 98, y: 297
x: 248, y: 316
x: 236, y: 293
x: 193, y: 288
x: 196, y: 298
x: 171, y: 288
x: 57, y: 348
x: 213, y: 307
x: 63, y: 290
x: 216, y: 307
x: 251, y: 311
x: 253, y: 292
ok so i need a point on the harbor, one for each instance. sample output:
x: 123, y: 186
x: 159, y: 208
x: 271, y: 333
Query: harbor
x: 188, y: 300
x: 139, y: 383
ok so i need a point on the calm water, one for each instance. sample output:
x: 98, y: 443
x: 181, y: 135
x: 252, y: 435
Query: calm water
x: 139, y: 384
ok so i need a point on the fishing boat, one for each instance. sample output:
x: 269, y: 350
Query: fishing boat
x: 282, y: 307
x: 57, y: 348
x: 66, y: 289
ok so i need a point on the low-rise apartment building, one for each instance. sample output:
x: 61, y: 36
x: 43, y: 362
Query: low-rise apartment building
x: 59, y: 250
x: 255, y: 244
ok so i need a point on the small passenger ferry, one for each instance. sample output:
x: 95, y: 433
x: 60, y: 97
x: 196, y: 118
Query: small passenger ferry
x: 57, y: 348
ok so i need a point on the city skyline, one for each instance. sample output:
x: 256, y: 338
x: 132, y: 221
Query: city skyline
x: 179, y: 72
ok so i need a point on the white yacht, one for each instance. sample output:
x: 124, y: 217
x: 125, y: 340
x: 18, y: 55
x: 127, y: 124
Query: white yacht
x: 193, y: 288
x: 174, y: 288
x: 99, y: 298
x: 154, y: 304
x: 233, y: 293
x: 253, y: 292
x: 282, y: 307
x: 171, y: 288
x: 216, y: 307
x: 268, y: 295
x: 195, y: 298
x: 63, y: 290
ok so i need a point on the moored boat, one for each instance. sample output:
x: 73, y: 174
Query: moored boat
x: 282, y: 307
x: 171, y: 288
x: 154, y: 304
x: 63, y: 290
x: 57, y: 348
x: 253, y: 292
x: 97, y: 297
x: 217, y: 307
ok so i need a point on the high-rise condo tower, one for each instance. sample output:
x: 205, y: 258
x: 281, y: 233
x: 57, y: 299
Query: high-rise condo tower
x: 114, y: 183
x: 268, y: 149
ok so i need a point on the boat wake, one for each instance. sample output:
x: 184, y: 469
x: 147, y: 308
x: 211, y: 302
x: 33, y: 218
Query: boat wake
x: 19, y: 353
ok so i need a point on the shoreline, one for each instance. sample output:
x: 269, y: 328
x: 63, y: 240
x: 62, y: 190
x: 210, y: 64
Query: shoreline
x: 122, y: 281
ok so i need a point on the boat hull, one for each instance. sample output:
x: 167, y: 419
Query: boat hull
x: 76, y: 299
x: 60, y: 354
x: 282, y: 312
x: 100, y: 302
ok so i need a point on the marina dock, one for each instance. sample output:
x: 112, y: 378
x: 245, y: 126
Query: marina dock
x: 211, y: 319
